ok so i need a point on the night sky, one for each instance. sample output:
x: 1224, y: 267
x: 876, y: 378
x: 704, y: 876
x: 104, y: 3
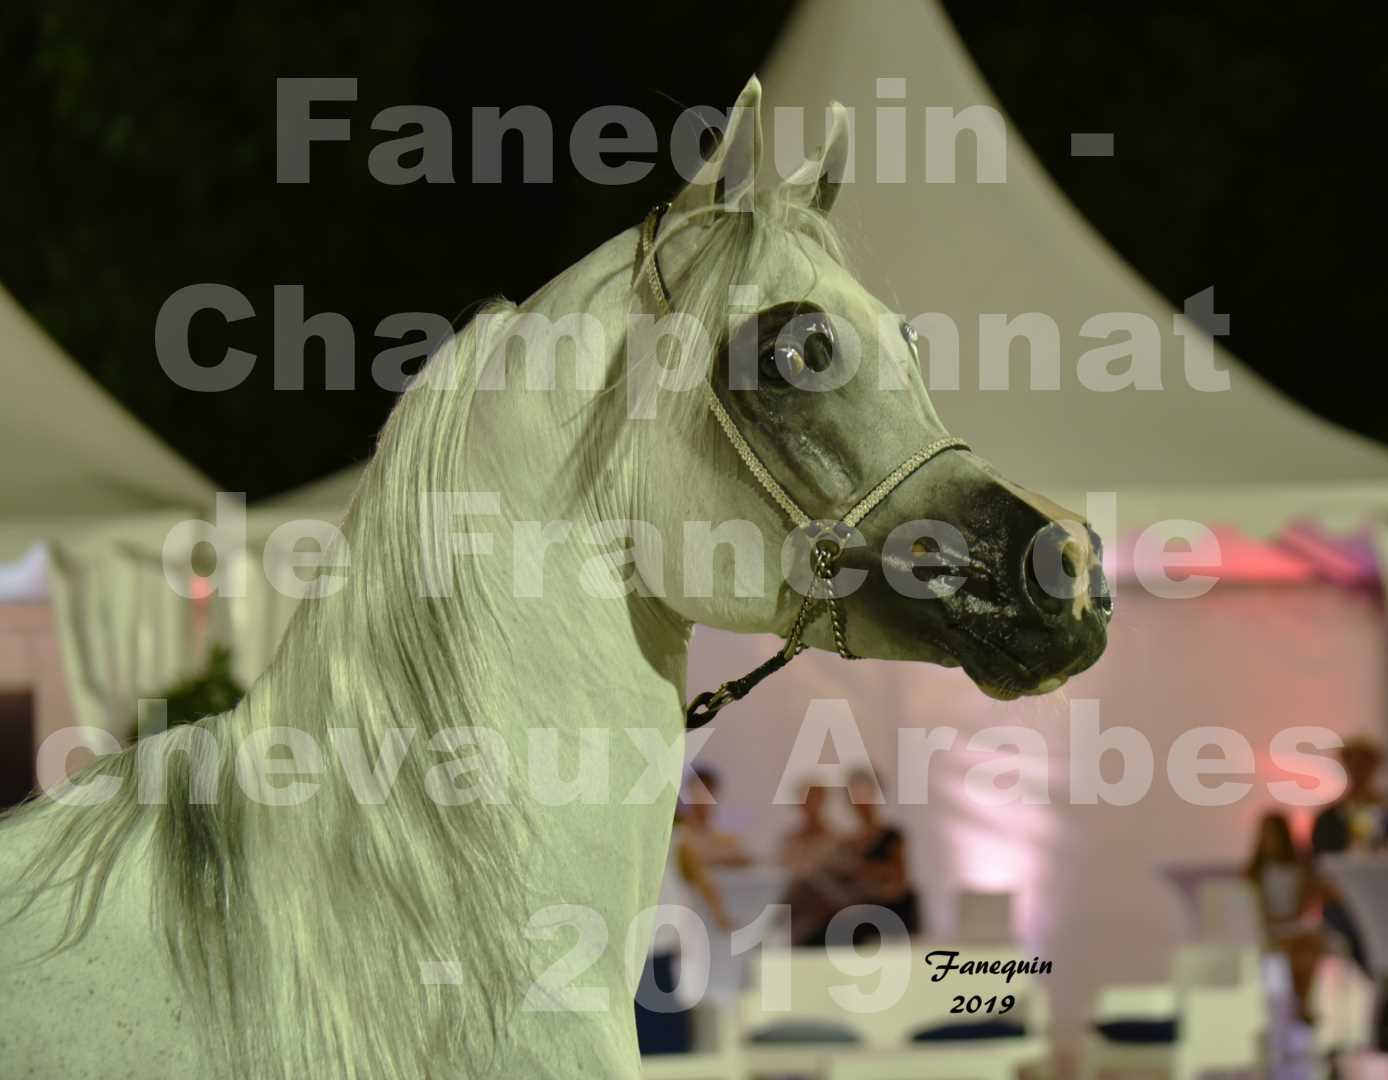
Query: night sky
x: 140, y: 158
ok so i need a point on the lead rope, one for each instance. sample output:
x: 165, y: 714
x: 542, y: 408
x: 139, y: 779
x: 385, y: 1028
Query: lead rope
x: 827, y: 550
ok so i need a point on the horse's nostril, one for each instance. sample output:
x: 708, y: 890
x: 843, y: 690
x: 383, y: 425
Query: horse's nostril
x: 1099, y: 595
x: 1053, y: 569
x: 925, y: 546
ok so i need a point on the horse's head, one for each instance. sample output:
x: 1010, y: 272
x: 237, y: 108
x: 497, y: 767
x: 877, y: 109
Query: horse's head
x: 824, y: 408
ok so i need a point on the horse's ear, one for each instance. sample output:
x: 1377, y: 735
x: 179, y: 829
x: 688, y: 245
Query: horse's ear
x: 727, y: 178
x: 820, y: 178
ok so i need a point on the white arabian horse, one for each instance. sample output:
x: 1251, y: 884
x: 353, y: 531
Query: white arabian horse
x: 486, y: 718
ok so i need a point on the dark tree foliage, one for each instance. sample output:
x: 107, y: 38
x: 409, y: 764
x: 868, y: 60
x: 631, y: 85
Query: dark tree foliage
x: 140, y: 151
x: 1247, y: 157
x: 214, y: 691
x: 141, y: 159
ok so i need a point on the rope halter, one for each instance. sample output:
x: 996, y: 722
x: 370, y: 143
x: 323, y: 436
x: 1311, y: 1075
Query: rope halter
x: 827, y: 538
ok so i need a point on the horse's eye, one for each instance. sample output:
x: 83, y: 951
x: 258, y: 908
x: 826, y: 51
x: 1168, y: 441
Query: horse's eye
x: 795, y: 350
x: 819, y: 349
x: 781, y: 363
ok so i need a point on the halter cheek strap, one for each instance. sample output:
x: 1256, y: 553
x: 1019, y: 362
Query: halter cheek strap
x: 827, y: 537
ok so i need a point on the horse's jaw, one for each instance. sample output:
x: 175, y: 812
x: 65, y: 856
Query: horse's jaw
x: 999, y: 693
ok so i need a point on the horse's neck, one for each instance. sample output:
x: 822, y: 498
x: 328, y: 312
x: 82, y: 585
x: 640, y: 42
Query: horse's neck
x: 563, y: 484
x: 598, y: 671
x: 581, y: 651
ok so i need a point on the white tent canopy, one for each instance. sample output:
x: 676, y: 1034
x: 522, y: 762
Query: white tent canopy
x: 1246, y: 456
x: 73, y: 455
x: 87, y: 496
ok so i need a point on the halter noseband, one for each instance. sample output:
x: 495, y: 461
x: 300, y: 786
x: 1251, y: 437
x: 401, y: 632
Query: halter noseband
x: 827, y: 536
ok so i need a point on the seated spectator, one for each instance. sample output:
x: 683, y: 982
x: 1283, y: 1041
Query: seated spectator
x: 713, y: 847
x: 1357, y: 821
x: 1281, y: 876
x: 867, y: 867
x: 885, y: 880
x: 806, y: 847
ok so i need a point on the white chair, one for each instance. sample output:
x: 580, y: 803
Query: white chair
x: 1342, y: 1001
x: 843, y: 1012
x: 1212, y: 1015
x: 1227, y: 912
x: 913, y: 1065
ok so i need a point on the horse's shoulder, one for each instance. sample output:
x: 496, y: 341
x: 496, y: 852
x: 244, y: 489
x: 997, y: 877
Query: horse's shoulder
x: 104, y: 1007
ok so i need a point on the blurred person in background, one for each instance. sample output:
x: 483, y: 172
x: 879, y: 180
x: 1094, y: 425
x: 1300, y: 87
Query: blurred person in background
x: 1357, y: 821
x: 865, y: 867
x: 881, y: 847
x: 1286, y: 889
x: 812, y: 854
x: 713, y: 846
x: 806, y: 847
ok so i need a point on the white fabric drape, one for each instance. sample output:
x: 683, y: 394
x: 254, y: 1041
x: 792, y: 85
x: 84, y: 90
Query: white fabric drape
x: 125, y: 632
x: 253, y: 623
x: 25, y: 580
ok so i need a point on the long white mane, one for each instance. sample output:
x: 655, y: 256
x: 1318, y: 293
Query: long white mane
x: 299, y: 932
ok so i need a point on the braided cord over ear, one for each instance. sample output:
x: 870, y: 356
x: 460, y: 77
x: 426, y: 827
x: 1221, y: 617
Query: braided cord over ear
x: 645, y: 276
